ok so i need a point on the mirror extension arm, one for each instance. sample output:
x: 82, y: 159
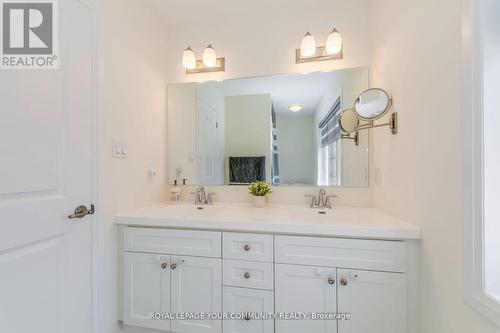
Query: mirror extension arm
x: 393, y: 124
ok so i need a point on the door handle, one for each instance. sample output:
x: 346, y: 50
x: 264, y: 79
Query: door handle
x: 82, y: 211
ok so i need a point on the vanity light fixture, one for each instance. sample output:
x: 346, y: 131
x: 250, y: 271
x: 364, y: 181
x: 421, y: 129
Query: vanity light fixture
x: 333, y: 42
x: 295, y: 107
x: 208, y: 63
x: 308, y: 45
x: 209, y: 57
x: 188, y: 59
x: 333, y: 49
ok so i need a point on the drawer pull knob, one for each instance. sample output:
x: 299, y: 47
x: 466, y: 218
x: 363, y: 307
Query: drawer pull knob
x: 246, y: 275
x: 343, y: 282
x: 164, y: 265
x: 173, y: 266
x: 247, y: 317
x: 331, y: 281
x: 246, y: 247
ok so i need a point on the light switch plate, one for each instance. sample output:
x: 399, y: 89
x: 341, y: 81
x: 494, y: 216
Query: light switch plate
x: 119, y: 150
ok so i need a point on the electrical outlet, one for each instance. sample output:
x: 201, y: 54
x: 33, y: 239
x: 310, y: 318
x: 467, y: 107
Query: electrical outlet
x: 151, y: 175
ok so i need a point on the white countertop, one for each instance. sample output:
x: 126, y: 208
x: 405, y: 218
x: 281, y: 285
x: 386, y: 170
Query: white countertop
x: 352, y: 222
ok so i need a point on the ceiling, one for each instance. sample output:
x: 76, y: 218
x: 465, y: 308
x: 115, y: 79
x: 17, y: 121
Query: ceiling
x: 183, y: 12
x: 306, y: 89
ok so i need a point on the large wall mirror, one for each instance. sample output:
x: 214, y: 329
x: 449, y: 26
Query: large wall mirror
x: 282, y: 129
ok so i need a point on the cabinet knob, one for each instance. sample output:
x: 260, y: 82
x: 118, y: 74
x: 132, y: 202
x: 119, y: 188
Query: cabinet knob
x: 246, y: 275
x: 173, y: 266
x: 246, y: 247
x: 343, y: 282
x: 164, y: 265
x: 331, y: 281
x: 247, y: 317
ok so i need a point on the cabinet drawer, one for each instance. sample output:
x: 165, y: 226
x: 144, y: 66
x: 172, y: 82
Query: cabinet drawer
x: 248, y: 247
x: 339, y: 252
x: 248, y: 274
x: 170, y: 241
x: 238, y: 300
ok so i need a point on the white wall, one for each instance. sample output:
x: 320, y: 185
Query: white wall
x: 296, y: 150
x: 248, y: 129
x: 417, y: 58
x: 132, y: 51
x: 262, y: 39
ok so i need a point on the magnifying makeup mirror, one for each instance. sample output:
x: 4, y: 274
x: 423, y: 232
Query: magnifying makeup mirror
x: 349, y: 121
x: 371, y: 104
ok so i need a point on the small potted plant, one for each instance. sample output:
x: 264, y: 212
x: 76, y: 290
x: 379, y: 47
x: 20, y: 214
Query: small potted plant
x: 259, y: 190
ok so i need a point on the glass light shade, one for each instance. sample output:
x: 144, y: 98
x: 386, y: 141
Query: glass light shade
x: 333, y: 42
x: 189, y: 59
x: 295, y: 107
x: 209, y: 57
x: 308, y: 45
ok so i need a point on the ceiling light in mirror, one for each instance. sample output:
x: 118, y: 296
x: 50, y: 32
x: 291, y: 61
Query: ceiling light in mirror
x: 308, y: 45
x: 189, y: 59
x: 209, y: 57
x: 333, y: 42
x: 295, y: 107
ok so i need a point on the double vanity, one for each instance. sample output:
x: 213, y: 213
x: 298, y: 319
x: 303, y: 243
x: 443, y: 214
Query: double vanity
x: 285, y: 269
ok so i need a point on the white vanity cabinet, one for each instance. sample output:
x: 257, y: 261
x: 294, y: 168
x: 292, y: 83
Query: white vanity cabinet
x: 375, y: 300
x: 146, y: 289
x: 196, y: 287
x: 305, y: 289
x: 172, y: 277
x: 191, y: 271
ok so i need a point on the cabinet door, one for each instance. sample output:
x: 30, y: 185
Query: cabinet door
x: 376, y: 301
x: 305, y: 289
x: 196, y: 288
x: 146, y: 289
x: 249, y: 301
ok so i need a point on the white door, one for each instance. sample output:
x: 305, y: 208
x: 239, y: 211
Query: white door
x: 249, y: 302
x: 196, y: 288
x: 146, y: 290
x: 208, y: 151
x: 305, y: 289
x: 46, y: 160
x: 376, y: 301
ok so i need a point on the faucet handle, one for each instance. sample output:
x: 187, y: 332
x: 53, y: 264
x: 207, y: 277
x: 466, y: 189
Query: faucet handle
x: 313, y: 200
x: 328, y: 202
x: 209, y: 198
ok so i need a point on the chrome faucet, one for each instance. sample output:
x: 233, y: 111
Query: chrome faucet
x: 322, y: 201
x: 203, y: 198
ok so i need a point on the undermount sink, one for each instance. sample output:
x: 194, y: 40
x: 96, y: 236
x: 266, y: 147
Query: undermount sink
x: 311, y: 213
x: 190, y: 210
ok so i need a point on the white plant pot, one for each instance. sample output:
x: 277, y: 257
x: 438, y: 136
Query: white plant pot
x: 259, y: 202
